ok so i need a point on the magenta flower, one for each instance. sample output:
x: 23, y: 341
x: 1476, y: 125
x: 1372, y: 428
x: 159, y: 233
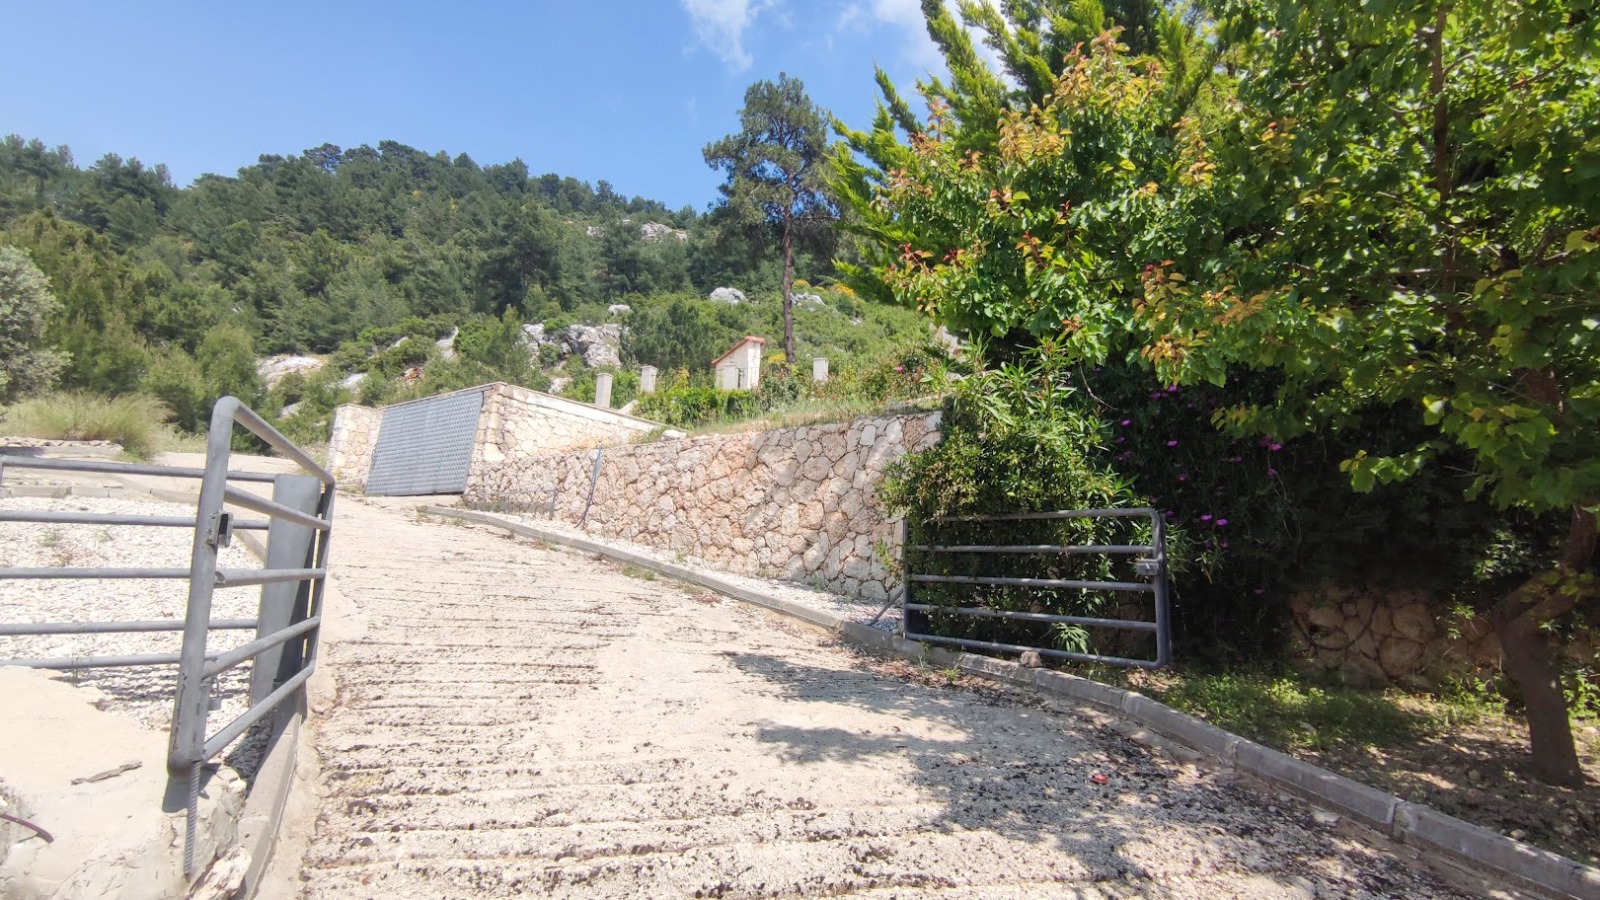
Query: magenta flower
x: 1172, y: 443
x: 1275, y: 448
x: 1206, y: 517
x: 1272, y: 473
x: 1221, y: 523
x: 1126, y: 422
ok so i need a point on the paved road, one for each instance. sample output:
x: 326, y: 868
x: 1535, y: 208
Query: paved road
x: 516, y: 721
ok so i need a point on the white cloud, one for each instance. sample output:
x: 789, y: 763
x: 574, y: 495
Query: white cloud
x: 720, y: 26
x: 917, y: 49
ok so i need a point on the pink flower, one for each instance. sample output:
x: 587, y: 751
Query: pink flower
x: 1126, y: 422
x: 1206, y: 517
x: 1222, y: 523
x: 1172, y: 443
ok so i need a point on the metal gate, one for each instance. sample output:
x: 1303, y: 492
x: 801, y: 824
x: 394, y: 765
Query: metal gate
x: 425, y: 447
x: 955, y: 563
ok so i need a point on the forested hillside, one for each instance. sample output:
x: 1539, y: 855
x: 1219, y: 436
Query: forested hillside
x: 383, y: 252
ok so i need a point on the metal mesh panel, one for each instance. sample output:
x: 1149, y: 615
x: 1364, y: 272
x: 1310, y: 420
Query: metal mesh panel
x: 426, y: 447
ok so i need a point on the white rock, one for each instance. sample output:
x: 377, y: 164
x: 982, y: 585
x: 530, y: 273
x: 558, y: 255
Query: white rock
x: 809, y: 301
x: 273, y: 369
x: 617, y: 309
x: 728, y: 295
x: 351, y: 382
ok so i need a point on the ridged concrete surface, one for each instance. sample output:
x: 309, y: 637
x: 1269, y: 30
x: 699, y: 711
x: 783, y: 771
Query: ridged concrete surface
x: 515, y: 721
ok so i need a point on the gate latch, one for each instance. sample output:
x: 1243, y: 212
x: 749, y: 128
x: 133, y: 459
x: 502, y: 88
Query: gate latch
x: 1147, y: 568
x: 221, y: 533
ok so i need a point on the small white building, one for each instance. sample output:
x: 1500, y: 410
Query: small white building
x: 740, y: 368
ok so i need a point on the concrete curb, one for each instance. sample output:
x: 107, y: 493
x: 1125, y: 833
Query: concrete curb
x: 1411, y: 823
x: 262, y: 815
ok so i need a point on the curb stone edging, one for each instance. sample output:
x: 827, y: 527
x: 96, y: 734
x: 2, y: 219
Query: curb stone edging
x: 1413, y: 824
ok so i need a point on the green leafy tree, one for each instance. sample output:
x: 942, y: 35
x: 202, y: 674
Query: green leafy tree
x: 1433, y: 246
x: 775, y: 173
x: 25, y: 305
x: 678, y: 334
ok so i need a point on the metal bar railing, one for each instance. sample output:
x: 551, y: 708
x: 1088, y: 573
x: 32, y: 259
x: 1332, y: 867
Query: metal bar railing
x: 222, y: 662
x: 276, y: 510
x: 61, y: 572
x: 1125, y: 549
x: 189, y: 746
x: 50, y: 517
x: 126, y: 627
x: 1150, y: 562
x: 1064, y: 583
x: 285, y: 640
x: 119, y: 468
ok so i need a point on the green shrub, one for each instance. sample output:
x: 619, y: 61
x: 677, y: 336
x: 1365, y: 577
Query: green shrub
x: 691, y: 407
x: 136, y: 421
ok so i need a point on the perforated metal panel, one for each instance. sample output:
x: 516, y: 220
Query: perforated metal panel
x: 425, y: 447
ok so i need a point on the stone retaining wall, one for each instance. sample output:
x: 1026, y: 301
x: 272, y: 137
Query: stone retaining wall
x: 1373, y: 637
x: 796, y: 503
x: 355, y: 436
x: 518, y: 422
x: 514, y: 422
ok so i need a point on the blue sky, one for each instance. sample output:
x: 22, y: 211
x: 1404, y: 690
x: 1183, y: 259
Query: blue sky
x: 624, y: 90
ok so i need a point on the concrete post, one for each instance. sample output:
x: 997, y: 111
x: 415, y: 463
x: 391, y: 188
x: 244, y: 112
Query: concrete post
x: 819, y: 369
x: 647, y: 379
x: 602, y: 390
x: 289, y: 546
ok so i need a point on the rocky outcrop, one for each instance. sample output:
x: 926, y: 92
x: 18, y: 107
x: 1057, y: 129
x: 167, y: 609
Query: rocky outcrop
x: 651, y: 232
x: 796, y: 503
x: 806, y: 300
x: 728, y: 295
x: 273, y: 369
x: 599, y: 345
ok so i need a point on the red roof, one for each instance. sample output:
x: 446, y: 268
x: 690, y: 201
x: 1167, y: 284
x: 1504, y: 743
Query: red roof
x: 748, y: 339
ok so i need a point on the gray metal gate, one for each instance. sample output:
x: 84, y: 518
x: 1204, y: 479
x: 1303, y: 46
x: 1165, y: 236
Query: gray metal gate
x: 959, y: 562
x: 425, y: 447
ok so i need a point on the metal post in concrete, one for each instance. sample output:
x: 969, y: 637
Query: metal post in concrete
x: 289, y: 546
x: 647, y: 379
x: 602, y: 390
x: 819, y: 369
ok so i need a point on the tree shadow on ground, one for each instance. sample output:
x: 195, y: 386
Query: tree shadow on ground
x: 995, y: 766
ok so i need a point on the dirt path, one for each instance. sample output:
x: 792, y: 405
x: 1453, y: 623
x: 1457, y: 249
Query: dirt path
x: 514, y: 721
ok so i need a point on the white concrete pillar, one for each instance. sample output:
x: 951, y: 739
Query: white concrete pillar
x: 647, y: 379
x: 819, y: 369
x: 602, y: 390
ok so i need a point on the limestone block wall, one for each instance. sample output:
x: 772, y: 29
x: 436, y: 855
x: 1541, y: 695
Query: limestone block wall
x: 515, y: 422
x: 350, y: 447
x: 795, y: 503
x: 1374, y: 637
x: 519, y: 422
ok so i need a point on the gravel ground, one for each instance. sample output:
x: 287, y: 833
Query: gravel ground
x: 145, y: 693
x: 517, y: 721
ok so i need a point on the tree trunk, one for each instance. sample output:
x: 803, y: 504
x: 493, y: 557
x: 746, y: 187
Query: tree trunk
x: 788, y: 293
x: 1530, y: 661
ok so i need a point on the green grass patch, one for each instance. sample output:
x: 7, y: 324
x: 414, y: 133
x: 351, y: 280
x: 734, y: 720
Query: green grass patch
x: 1289, y: 712
x: 135, y: 421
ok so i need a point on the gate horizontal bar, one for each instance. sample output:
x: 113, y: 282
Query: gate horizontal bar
x: 1135, y: 513
x: 95, y: 662
x: 238, y: 726
x: 115, y: 468
x: 263, y: 429
x: 79, y: 518
x: 277, y: 510
x: 1144, y: 549
x: 225, y: 661
x: 117, y: 627
x: 1043, y: 651
x: 65, y: 572
x: 1137, y: 586
x: 246, y: 577
x: 985, y: 612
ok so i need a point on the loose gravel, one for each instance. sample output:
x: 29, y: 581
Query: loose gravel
x: 144, y: 693
x: 517, y: 721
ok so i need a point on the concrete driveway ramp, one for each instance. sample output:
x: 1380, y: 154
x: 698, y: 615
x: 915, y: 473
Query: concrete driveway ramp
x: 519, y: 722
